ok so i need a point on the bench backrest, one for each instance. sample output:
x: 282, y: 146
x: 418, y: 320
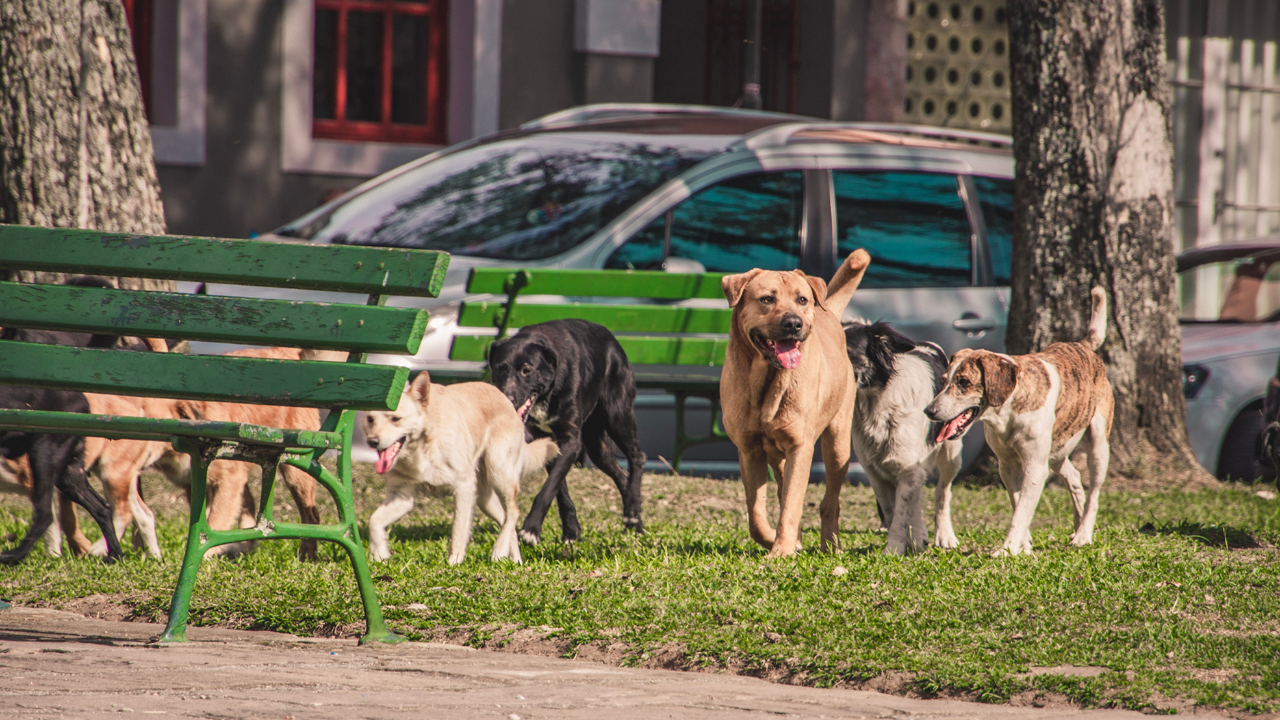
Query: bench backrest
x: 651, y: 334
x: 360, y: 329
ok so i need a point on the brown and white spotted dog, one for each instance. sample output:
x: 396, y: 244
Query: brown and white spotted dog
x: 1037, y: 410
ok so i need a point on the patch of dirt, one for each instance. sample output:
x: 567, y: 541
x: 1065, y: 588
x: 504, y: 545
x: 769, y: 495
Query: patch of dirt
x: 611, y: 654
x: 893, y: 683
x: 115, y: 607
x: 1041, y: 699
x: 1066, y: 671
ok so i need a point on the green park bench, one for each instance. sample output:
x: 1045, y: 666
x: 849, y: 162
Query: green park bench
x: 341, y: 388
x: 658, y: 333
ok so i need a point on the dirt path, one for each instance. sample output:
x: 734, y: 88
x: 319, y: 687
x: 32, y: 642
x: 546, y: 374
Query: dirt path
x: 57, y: 664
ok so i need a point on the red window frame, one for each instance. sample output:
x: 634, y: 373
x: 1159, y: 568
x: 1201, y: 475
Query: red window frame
x: 137, y: 14
x: 433, y: 131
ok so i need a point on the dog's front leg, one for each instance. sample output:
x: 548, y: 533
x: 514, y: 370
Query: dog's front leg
x: 555, y: 488
x: 1035, y: 473
x: 949, y: 461
x: 397, y: 503
x: 907, y: 529
x: 835, y: 458
x: 464, y: 510
x: 792, y: 486
x: 755, y: 476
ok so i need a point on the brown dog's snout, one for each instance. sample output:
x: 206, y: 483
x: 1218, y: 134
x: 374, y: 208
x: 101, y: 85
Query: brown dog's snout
x: 791, y: 323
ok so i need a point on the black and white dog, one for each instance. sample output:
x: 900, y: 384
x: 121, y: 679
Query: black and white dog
x: 570, y: 380
x: 894, y: 440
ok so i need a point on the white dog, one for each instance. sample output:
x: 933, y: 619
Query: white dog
x: 897, y: 378
x: 463, y: 439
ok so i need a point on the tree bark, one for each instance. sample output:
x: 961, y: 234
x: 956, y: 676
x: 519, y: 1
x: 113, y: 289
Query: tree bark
x: 75, y: 146
x: 1093, y: 205
x: 886, y: 80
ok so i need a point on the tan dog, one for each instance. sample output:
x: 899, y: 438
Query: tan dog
x: 1036, y: 410
x: 786, y: 383
x: 465, y: 440
x: 230, y: 501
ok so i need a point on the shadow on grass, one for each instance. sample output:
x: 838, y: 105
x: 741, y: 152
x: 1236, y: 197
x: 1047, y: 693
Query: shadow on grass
x: 1213, y: 534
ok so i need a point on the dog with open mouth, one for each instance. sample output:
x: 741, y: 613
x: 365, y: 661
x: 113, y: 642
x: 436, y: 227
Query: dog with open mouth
x: 571, y: 380
x: 465, y: 440
x: 786, y: 383
x: 1037, y: 410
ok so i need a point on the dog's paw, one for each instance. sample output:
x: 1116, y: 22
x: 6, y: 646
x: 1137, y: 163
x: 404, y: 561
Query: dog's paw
x: 98, y: 548
x: 379, y: 554
x: 946, y: 542
x: 457, y: 558
x: 528, y: 538
x: 634, y: 524
x: 1080, y: 539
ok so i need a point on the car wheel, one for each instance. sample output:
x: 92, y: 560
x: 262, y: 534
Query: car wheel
x: 1239, y: 458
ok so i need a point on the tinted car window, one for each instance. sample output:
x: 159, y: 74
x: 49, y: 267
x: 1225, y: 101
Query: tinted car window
x: 996, y: 197
x: 913, y: 224
x: 523, y: 198
x: 742, y: 223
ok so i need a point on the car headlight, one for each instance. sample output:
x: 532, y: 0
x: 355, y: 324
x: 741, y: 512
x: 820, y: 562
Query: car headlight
x: 1193, y: 379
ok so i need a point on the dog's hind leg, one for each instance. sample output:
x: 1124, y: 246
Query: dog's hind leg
x: 623, y: 429
x: 144, y: 518
x: 66, y: 464
x: 397, y: 503
x: 949, y: 458
x: 498, y: 501
x: 1071, y: 477
x: 303, y: 489
x: 1099, y: 458
x: 628, y: 483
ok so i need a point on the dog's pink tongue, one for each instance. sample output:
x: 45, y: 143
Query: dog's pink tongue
x: 788, y: 353
x: 385, y: 458
x: 951, y: 426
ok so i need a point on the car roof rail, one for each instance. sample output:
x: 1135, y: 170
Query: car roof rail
x: 586, y: 114
x: 887, y: 133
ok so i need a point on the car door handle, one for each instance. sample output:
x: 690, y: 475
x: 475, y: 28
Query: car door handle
x: 973, y: 323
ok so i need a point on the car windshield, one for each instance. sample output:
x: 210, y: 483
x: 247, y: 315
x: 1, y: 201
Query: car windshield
x: 523, y: 198
x: 1243, y: 290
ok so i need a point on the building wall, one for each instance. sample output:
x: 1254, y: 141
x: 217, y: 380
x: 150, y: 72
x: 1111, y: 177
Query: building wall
x: 240, y: 189
x: 541, y: 73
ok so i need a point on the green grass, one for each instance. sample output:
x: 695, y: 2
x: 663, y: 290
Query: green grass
x: 1176, y: 603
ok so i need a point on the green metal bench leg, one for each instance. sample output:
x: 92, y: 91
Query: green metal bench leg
x: 375, y: 627
x: 197, y: 535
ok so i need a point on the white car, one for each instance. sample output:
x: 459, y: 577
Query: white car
x: 1230, y: 346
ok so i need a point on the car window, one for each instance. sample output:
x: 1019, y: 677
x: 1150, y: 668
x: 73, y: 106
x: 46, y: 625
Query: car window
x: 996, y: 197
x: 913, y: 224
x: 1247, y: 289
x: 524, y: 198
x: 751, y: 221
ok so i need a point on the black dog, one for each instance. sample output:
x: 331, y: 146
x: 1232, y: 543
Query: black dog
x: 571, y: 380
x: 57, y: 461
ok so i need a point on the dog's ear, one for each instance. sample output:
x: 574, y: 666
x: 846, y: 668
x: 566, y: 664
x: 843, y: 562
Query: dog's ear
x: 819, y: 288
x: 734, y: 285
x: 999, y: 376
x: 421, y: 387
x: 894, y: 341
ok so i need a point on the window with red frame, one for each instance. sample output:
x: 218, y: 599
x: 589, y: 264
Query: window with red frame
x: 138, y: 14
x: 380, y: 70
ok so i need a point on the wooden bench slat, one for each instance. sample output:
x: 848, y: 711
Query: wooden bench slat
x: 362, y: 328
x: 640, y: 350
x: 201, y: 377
x: 618, y: 318
x: 140, y: 428
x: 338, y: 268
x: 601, y: 283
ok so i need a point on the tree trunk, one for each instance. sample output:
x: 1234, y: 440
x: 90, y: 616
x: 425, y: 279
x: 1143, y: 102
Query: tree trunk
x: 75, y: 146
x: 1093, y: 205
x: 886, y: 80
